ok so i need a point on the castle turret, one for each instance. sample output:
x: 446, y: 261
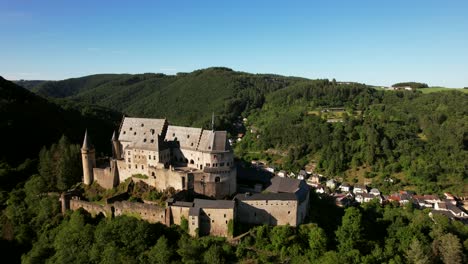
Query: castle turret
x: 117, y: 154
x: 89, y: 160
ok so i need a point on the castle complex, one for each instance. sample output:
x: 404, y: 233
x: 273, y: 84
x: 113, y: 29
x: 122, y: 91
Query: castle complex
x: 164, y: 156
x: 187, y: 159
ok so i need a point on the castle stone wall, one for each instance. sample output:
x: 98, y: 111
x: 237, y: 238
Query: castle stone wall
x: 104, y: 177
x: 92, y: 208
x: 177, y: 212
x: 148, y: 212
x: 206, y: 183
x: 214, y: 221
x: 194, y: 225
x: 270, y: 212
x: 302, y: 210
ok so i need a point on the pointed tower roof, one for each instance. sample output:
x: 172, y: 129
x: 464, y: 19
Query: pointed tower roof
x: 86, y: 144
x: 113, y: 136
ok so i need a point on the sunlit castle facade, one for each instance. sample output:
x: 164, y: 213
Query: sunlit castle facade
x: 164, y: 156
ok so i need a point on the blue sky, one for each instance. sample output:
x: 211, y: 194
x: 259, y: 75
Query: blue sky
x: 375, y: 42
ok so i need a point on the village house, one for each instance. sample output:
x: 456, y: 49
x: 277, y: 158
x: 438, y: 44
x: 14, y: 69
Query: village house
x: 302, y: 175
x: 359, y: 188
x: 331, y: 184
x: 345, y: 187
x: 343, y: 200
x: 281, y: 173
x: 367, y: 197
x: 375, y: 192
x: 315, y: 178
x: 319, y: 188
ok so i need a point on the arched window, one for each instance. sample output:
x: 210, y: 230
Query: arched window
x: 217, y: 179
x: 192, y: 162
x: 152, y: 174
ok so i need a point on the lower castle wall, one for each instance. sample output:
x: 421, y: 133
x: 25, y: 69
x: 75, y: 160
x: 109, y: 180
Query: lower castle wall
x: 147, y: 212
x: 177, y: 212
x: 92, y: 208
x: 269, y: 212
x: 104, y: 177
x: 215, y: 221
x: 302, y: 210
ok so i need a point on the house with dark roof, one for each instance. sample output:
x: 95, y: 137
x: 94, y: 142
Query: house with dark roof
x: 285, y: 201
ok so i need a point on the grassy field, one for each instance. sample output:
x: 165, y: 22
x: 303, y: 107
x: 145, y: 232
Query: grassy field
x: 441, y: 89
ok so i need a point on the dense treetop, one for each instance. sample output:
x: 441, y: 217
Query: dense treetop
x: 414, y: 85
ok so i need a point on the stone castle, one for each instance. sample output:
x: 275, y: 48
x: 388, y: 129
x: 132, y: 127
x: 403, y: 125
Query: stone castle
x: 164, y: 156
x: 186, y: 159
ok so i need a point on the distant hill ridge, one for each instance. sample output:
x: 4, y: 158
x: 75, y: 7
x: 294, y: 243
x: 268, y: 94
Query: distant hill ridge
x: 28, y: 122
x: 186, y: 98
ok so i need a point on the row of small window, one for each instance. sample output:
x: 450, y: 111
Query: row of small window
x: 216, y: 164
x: 173, y: 135
x: 224, y: 215
x: 255, y: 214
x: 270, y: 203
x: 136, y: 166
x: 149, y: 157
x: 144, y: 140
x: 125, y: 132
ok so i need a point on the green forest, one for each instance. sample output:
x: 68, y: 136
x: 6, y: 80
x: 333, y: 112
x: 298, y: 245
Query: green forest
x: 419, y: 139
x: 414, y: 85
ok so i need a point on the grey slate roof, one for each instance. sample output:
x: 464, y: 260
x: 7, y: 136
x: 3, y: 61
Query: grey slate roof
x: 216, y: 204
x: 194, y: 211
x: 86, y: 144
x: 188, y: 137
x: 182, y: 204
x: 142, y: 132
x: 266, y: 196
x: 289, y: 185
x: 213, y: 141
x: 280, y: 184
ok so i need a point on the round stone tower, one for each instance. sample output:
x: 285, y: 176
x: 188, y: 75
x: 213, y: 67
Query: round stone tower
x: 116, y: 147
x: 89, y: 160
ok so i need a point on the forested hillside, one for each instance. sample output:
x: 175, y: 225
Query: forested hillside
x: 29, y: 122
x: 345, y: 129
x: 419, y: 140
x: 185, y: 99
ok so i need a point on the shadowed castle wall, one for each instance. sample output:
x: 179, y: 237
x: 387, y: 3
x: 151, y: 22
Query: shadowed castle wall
x: 270, y: 212
x: 147, y: 212
x: 92, y: 208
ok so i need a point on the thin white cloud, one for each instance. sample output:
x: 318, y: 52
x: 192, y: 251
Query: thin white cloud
x: 93, y: 49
